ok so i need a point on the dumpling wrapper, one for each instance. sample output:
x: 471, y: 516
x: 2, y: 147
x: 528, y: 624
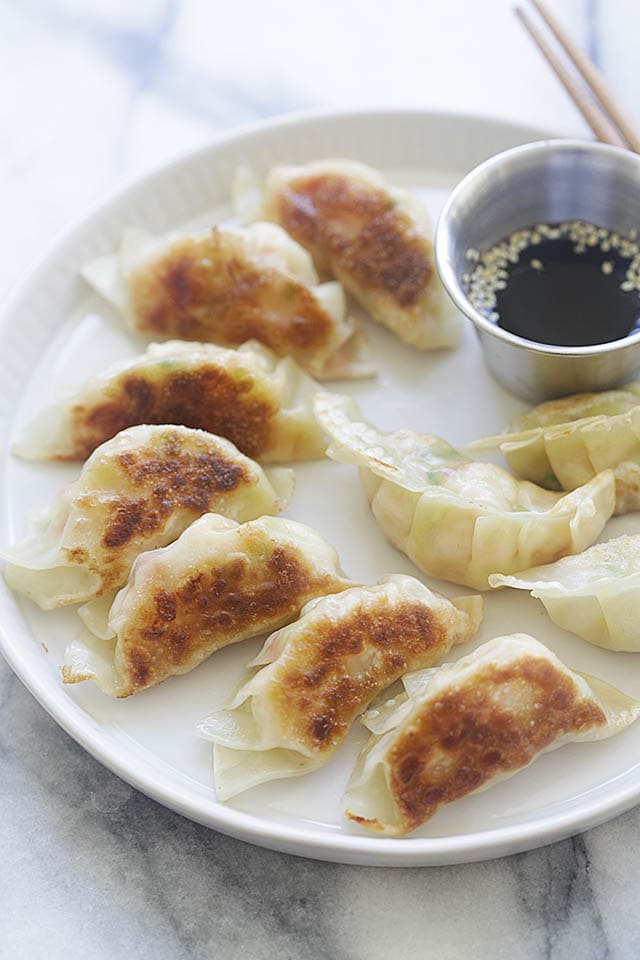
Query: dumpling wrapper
x: 562, y: 444
x: 319, y: 673
x: 228, y: 285
x: 374, y: 238
x: 262, y: 403
x: 218, y: 584
x: 470, y: 725
x: 458, y: 519
x: 595, y: 595
x: 579, y: 406
x: 136, y: 492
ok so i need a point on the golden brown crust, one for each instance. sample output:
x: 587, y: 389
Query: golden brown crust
x: 208, y: 398
x: 341, y: 667
x: 174, y: 475
x: 174, y: 630
x: 178, y: 478
x: 466, y: 736
x: 360, y: 231
x: 206, y: 289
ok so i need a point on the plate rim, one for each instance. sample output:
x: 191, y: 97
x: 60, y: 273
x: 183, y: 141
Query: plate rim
x: 293, y: 839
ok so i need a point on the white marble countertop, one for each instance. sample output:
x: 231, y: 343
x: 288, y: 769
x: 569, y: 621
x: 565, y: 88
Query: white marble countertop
x: 93, y: 93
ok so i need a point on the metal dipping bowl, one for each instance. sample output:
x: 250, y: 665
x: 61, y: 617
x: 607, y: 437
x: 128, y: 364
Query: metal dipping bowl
x: 544, y: 182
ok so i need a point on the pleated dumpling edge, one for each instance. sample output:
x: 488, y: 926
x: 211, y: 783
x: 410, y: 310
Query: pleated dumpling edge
x: 458, y: 519
x: 595, y: 594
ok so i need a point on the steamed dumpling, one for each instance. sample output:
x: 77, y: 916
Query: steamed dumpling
x: 595, y: 595
x: 563, y: 443
x: 455, y: 518
x: 136, y: 492
x: 261, y: 403
x: 219, y: 583
x: 322, y: 671
x: 469, y: 725
x: 375, y: 239
x: 580, y: 405
x: 229, y: 285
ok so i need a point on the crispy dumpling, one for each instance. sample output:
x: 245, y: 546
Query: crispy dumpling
x: 319, y: 673
x: 228, y: 285
x: 458, y: 519
x: 138, y: 491
x: 263, y: 404
x: 469, y: 725
x: 219, y: 583
x: 562, y: 444
x: 595, y: 595
x: 375, y: 239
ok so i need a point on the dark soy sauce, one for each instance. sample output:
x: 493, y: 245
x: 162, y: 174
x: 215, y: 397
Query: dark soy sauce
x: 572, y: 285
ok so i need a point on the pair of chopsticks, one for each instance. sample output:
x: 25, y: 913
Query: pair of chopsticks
x: 582, y: 80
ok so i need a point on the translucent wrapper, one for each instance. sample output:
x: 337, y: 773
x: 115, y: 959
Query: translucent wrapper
x: 458, y: 519
x: 595, y: 594
x: 565, y: 443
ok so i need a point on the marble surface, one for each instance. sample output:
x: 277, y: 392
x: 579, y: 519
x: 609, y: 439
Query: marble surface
x: 93, y: 93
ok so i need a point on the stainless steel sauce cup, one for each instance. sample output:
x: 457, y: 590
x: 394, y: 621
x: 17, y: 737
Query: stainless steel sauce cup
x: 545, y: 182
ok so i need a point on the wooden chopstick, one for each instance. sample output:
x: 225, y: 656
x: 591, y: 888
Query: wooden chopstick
x: 590, y: 108
x: 592, y: 77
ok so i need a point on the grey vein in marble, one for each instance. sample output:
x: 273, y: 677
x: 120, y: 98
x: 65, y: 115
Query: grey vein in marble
x: 88, y: 860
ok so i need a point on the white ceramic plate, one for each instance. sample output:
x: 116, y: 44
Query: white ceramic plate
x: 53, y: 332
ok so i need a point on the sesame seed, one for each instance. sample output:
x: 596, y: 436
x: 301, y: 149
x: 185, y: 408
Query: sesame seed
x: 493, y: 266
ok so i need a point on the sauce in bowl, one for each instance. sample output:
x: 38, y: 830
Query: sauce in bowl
x: 565, y: 284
